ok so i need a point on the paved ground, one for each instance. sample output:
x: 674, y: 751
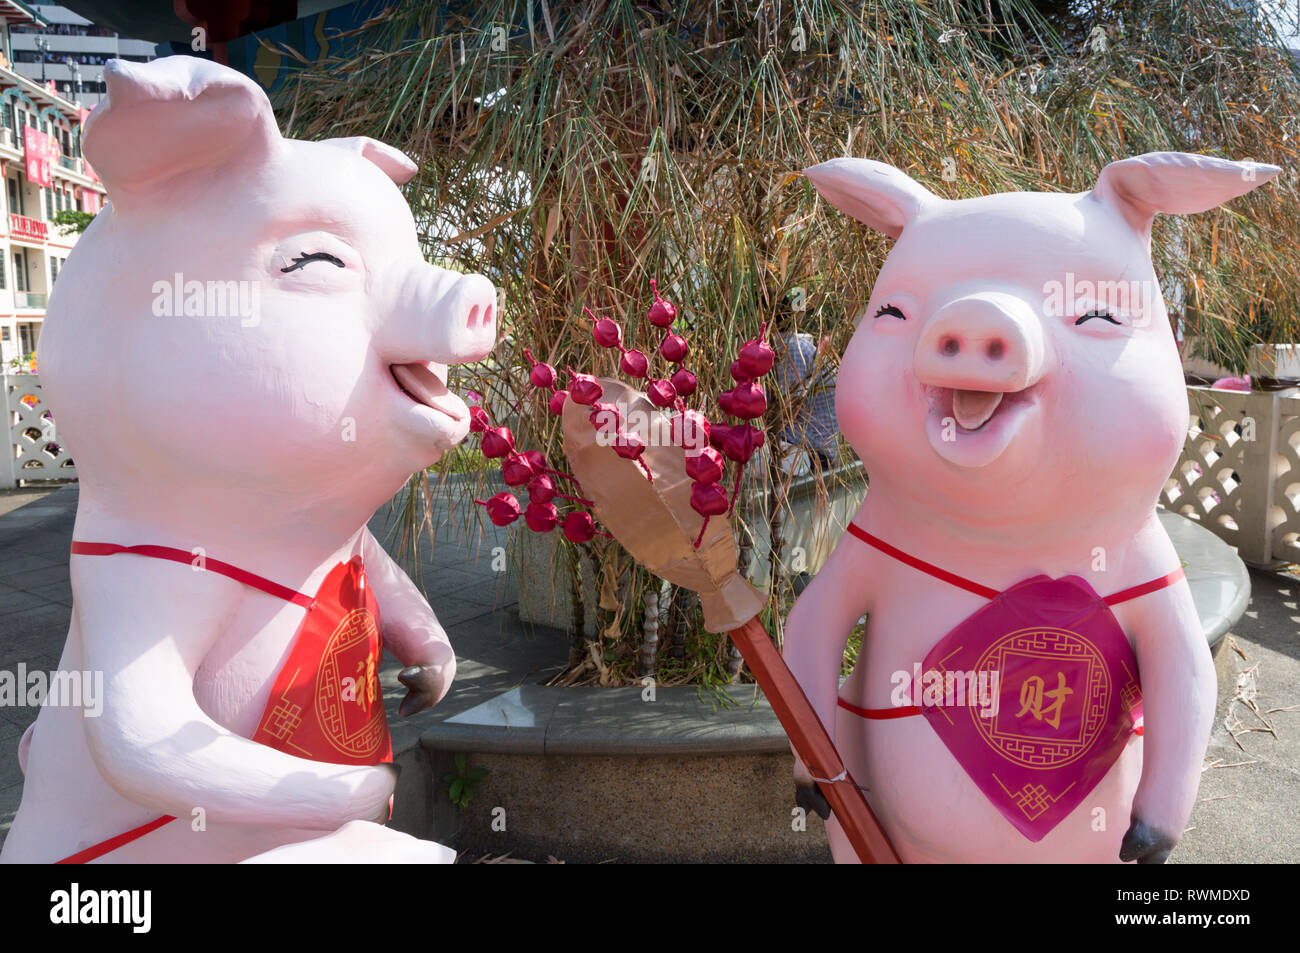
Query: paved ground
x: 12, y: 499
x: 1248, y: 808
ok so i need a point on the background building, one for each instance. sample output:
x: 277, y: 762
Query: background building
x: 44, y: 173
x: 63, y: 46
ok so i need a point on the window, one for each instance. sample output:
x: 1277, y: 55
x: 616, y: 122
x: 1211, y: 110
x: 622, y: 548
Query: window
x: 4, y: 333
x: 49, y: 203
x: 20, y: 272
x: 15, y: 198
x: 3, y: 269
x: 54, y: 269
x: 7, y: 115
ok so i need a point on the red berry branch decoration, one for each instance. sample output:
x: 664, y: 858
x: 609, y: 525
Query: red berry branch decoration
x: 709, y: 445
x: 529, y: 469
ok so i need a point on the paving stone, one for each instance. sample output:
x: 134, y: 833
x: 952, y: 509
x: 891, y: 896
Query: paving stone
x: 59, y: 592
x: 44, y: 619
x: 37, y: 578
x: 16, y: 600
x: 13, y: 560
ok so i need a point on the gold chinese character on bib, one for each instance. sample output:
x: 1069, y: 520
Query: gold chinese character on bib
x: 1032, y: 697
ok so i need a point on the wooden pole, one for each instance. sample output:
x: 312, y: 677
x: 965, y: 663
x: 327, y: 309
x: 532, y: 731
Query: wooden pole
x: 814, y: 745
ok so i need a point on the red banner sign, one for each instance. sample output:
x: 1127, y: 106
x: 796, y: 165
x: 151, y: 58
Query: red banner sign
x: 41, y: 151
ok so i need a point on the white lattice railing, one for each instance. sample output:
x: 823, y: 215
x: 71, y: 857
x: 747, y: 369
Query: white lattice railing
x: 34, y: 452
x: 1239, y: 472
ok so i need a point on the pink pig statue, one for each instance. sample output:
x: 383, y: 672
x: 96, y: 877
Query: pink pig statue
x: 248, y: 353
x: 1016, y: 395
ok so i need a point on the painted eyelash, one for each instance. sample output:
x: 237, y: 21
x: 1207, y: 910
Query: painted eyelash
x: 1104, y: 315
x: 303, y: 258
x: 890, y: 309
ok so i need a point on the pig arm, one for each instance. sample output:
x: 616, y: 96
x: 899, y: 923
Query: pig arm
x: 816, y: 633
x: 1178, y: 698
x: 147, y: 625
x: 411, y: 631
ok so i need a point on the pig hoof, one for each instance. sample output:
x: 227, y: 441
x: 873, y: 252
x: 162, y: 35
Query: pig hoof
x: 810, y: 798
x: 424, y: 686
x: 1145, y: 844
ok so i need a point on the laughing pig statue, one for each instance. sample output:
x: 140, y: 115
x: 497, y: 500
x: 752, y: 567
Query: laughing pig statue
x: 1015, y: 393
x: 248, y: 353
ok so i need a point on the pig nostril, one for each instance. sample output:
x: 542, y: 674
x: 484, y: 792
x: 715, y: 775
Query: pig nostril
x: 950, y: 346
x: 487, y: 317
x: 473, y: 316
x: 996, y: 350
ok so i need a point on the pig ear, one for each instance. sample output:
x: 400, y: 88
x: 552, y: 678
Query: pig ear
x: 393, y: 163
x: 174, y: 115
x: 872, y: 192
x: 1175, y: 183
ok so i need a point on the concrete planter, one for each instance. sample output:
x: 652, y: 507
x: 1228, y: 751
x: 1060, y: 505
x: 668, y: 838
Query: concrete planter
x: 591, y: 774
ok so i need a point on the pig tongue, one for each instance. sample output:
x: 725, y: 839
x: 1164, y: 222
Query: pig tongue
x: 973, y: 408
x: 423, y: 385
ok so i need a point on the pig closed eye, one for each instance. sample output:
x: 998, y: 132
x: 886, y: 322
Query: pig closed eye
x: 890, y: 310
x: 1104, y: 315
x: 303, y: 259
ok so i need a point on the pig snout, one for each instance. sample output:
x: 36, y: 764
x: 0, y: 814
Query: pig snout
x: 982, y: 342
x: 439, y: 316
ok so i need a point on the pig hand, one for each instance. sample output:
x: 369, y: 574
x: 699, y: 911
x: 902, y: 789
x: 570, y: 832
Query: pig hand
x: 807, y: 794
x: 427, y: 683
x: 1145, y: 844
x: 411, y: 632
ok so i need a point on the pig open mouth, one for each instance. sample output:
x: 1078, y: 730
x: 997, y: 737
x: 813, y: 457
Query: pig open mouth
x: 425, y: 386
x: 987, y: 421
x: 975, y: 410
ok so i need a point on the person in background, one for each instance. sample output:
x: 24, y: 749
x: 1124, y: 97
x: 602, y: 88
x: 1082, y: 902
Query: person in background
x: 804, y: 375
